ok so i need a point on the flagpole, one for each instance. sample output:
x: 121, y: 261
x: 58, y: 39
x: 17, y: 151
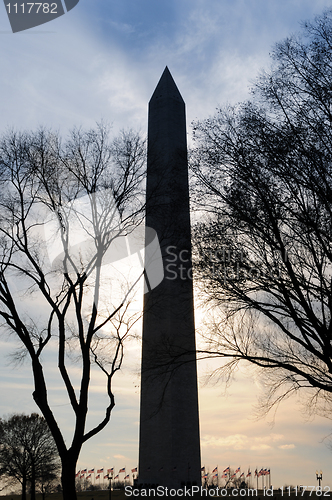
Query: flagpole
x: 110, y: 485
x: 262, y: 476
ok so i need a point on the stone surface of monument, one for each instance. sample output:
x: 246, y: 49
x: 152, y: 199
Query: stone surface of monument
x: 169, y: 449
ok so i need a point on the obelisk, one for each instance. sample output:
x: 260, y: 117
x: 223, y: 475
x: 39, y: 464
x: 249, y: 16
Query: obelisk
x: 169, y: 449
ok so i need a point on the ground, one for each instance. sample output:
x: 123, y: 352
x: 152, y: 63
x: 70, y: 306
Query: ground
x: 86, y: 495
x: 120, y: 495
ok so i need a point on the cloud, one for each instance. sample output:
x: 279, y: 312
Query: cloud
x: 260, y: 447
x: 241, y: 441
x: 105, y: 60
x: 235, y: 441
x: 271, y: 438
x: 286, y: 446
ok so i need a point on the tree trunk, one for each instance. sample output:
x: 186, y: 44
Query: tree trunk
x: 24, y: 488
x: 33, y: 483
x: 68, y: 478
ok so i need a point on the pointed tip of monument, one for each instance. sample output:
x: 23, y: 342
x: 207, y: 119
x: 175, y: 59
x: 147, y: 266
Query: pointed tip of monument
x: 166, y: 87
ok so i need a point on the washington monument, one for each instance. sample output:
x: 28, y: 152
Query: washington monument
x: 169, y: 450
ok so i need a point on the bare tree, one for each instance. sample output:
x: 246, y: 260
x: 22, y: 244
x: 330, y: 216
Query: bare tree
x: 28, y: 453
x: 65, y: 212
x: 264, y: 248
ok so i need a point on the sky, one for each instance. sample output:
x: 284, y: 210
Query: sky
x: 102, y: 61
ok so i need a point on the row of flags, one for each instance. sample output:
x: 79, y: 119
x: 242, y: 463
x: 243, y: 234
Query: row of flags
x: 262, y: 472
x: 100, y: 473
x: 226, y: 473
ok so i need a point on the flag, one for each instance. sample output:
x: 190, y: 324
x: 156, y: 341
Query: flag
x: 249, y: 473
x: 123, y: 470
x: 224, y: 476
x: 260, y: 473
x: 216, y: 475
x: 91, y: 471
x: 237, y: 470
x: 205, y: 475
x: 134, y: 470
x: 77, y: 473
x: 110, y: 471
x: 83, y: 471
x: 242, y: 475
x: 233, y: 475
x: 202, y: 469
x: 97, y: 477
x: 226, y: 470
x: 82, y: 475
x: 268, y: 472
x: 88, y: 476
x: 117, y: 476
x: 106, y: 477
x: 127, y: 476
x: 100, y: 471
x: 256, y: 473
x: 215, y: 469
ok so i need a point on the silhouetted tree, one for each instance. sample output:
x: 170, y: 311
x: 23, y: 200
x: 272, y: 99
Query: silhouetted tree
x: 264, y: 249
x: 65, y: 210
x: 28, y: 453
